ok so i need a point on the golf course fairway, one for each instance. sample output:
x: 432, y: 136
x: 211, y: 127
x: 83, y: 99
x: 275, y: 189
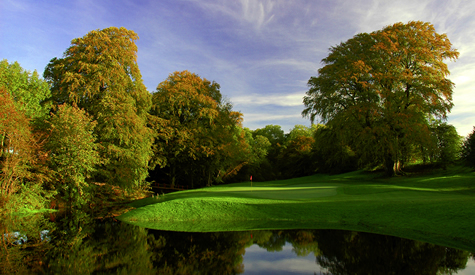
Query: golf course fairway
x: 438, y: 207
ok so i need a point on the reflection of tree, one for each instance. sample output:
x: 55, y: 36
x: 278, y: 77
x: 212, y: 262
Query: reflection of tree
x: 22, y: 258
x: 303, y: 242
x: 72, y: 252
x: 79, y: 244
x: 346, y: 252
x: 200, y: 253
x: 124, y: 249
x: 85, y: 246
x: 272, y: 241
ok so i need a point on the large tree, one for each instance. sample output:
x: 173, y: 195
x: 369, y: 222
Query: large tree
x: 378, y: 90
x: 196, y: 131
x: 99, y: 73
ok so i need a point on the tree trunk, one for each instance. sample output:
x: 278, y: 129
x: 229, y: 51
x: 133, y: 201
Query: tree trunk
x: 173, y: 176
x: 389, y: 166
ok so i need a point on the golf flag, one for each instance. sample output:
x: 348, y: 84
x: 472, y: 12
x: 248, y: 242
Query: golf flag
x: 251, y: 178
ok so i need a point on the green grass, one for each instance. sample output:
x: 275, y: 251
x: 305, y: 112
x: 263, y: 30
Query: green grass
x: 437, y: 208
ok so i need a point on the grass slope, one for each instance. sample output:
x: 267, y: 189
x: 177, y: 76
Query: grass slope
x: 437, y: 208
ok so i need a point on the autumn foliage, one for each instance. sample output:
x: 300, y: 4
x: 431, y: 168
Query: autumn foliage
x: 196, y: 133
x: 383, y: 97
x: 378, y: 90
x: 99, y: 73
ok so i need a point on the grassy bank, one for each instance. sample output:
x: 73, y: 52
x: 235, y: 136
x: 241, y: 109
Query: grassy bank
x: 437, y: 207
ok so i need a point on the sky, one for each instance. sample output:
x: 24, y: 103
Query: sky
x: 261, y: 52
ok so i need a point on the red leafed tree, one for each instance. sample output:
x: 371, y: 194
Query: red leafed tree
x: 17, y: 148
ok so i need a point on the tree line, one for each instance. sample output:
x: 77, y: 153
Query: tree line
x: 382, y: 98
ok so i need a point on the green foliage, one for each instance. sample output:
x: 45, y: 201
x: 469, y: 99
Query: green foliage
x: 259, y: 146
x: 299, y: 131
x: 73, y: 153
x: 377, y: 90
x: 99, y: 73
x: 330, y: 152
x: 448, y: 144
x: 295, y: 156
x: 270, y: 168
x: 27, y: 89
x: 255, y: 150
x: 468, y: 149
x: 273, y: 133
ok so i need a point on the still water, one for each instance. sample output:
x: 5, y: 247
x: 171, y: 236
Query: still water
x: 79, y: 244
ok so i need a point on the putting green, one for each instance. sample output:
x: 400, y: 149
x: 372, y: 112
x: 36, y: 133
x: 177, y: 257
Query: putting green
x: 438, y: 208
x: 289, y: 193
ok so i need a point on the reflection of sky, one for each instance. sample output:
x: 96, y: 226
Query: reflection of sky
x: 258, y: 261
x: 470, y: 269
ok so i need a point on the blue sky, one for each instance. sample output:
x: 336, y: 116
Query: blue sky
x: 261, y: 52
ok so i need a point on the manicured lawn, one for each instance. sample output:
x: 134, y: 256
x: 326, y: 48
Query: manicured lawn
x: 437, y: 207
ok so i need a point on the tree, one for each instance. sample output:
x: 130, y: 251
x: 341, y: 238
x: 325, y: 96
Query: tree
x: 276, y: 137
x: 16, y: 154
x: 21, y: 175
x: 27, y: 92
x: 468, y: 149
x: 22, y: 112
x: 295, y: 156
x: 330, y: 153
x: 27, y: 89
x: 73, y: 153
x: 378, y: 90
x: 259, y: 146
x: 273, y: 133
x: 255, y: 152
x: 99, y: 73
x: 196, y: 131
x: 448, y: 144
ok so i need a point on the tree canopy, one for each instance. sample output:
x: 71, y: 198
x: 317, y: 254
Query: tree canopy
x: 99, y: 73
x: 195, y: 129
x: 378, y: 90
x: 22, y: 109
x: 27, y: 89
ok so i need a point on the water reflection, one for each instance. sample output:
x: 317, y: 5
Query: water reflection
x: 80, y: 244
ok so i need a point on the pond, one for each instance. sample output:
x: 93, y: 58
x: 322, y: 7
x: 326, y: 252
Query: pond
x: 78, y: 244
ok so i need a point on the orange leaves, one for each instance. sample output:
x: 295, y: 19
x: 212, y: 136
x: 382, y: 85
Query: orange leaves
x: 17, y: 146
x: 386, y: 80
x: 194, y: 128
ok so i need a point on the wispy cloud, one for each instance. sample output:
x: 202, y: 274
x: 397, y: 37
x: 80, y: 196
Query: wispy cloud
x: 261, y: 52
x: 258, y: 13
x: 277, y: 100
